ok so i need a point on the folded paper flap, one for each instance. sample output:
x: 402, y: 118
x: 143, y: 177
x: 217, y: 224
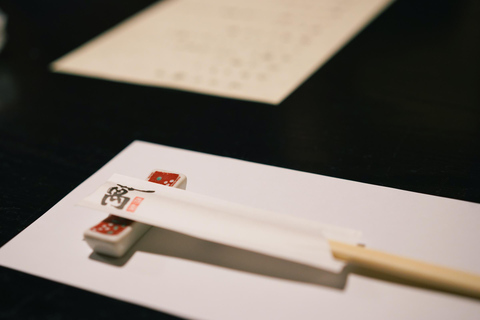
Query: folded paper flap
x: 217, y: 220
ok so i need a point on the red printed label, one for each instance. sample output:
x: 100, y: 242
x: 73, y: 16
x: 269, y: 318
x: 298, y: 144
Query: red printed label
x: 135, y: 203
x: 112, y: 225
x: 164, y: 178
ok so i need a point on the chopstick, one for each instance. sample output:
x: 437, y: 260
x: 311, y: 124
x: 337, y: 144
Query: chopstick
x: 408, y: 269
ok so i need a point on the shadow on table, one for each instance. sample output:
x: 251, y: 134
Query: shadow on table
x: 173, y: 244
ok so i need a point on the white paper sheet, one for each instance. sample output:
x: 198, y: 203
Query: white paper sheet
x: 212, y: 219
x: 202, y: 280
x: 257, y: 50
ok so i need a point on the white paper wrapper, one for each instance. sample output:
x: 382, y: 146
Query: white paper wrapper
x: 212, y: 219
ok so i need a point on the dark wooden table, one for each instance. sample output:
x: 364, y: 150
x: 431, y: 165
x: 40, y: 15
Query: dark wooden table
x: 399, y: 106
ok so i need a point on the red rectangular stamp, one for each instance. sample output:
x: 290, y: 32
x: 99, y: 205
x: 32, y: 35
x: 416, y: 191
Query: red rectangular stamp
x: 135, y: 203
x: 164, y: 178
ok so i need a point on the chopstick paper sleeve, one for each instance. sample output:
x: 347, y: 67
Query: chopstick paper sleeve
x: 278, y: 235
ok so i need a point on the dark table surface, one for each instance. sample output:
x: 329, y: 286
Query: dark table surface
x: 399, y: 106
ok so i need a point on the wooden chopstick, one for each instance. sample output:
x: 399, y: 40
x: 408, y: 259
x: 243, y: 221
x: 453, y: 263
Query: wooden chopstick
x: 408, y: 269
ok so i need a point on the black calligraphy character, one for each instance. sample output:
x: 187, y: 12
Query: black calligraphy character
x: 133, y: 189
x: 116, y: 197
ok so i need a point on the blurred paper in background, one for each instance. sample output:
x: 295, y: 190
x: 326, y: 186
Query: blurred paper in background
x: 252, y: 50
